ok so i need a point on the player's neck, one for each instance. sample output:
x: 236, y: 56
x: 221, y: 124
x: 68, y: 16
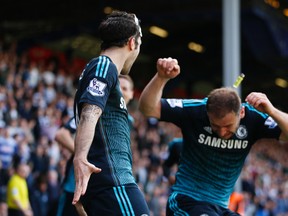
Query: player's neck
x: 117, y: 56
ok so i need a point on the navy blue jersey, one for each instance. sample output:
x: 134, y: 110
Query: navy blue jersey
x: 71, y: 126
x: 110, y: 149
x: 69, y: 180
x: 174, y: 151
x: 209, y: 166
x: 65, y: 200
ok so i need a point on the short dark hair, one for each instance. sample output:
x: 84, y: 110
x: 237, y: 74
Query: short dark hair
x: 117, y: 28
x: 222, y: 101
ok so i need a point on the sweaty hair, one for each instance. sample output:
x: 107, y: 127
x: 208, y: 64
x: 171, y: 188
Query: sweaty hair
x: 222, y: 101
x: 117, y: 28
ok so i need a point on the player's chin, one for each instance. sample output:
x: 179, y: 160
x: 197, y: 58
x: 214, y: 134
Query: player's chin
x: 227, y: 136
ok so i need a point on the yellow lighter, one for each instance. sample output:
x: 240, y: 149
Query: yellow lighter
x: 238, y: 80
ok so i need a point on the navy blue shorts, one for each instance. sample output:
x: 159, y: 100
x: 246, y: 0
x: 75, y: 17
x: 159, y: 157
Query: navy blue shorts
x: 65, y: 206
x: 179, y: 204
x: 121, y: 200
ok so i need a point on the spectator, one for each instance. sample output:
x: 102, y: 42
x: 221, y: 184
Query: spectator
x: 17, y: 192
x: 39, y: 197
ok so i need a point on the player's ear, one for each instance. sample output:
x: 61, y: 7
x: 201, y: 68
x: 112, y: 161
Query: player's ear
x: 132, y: 43
x: 242, y: 112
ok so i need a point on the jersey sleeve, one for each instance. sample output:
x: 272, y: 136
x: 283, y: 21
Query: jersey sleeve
x: 171, y: 110
x: 98, y: 79
x: 266, y: 126
x: 182, y: 111
x: 270, y: 128
x: 71, y: 125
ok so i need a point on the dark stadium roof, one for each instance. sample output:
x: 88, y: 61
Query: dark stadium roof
x: 72, y: 25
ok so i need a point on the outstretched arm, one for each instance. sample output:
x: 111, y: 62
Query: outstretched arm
x: 263, y: 104
x: 84, y: 136
x: 149, y: 102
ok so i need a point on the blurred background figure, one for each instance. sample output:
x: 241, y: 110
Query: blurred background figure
x: 17, y: 192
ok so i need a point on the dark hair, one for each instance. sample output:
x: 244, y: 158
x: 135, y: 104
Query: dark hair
x: 222, y: 101
x: 117, y: 28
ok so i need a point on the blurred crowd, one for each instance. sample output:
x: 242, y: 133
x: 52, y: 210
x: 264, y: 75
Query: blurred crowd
x: 36, y: 98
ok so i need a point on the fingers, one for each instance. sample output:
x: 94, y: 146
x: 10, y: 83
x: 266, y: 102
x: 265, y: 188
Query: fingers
x: 168, y: 68
x: 82, y: 180
x: 168, y: 63
x: 256, y: 99
x: 81, y: 183
x: 80, y: 189
x: 96, y: 169
x: 260, y: 102
x: 176, y: 67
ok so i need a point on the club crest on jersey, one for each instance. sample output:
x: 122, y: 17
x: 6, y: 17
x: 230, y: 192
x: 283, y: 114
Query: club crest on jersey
x: 270, y: 122
x: 96, y: 87
x: 241, y: 132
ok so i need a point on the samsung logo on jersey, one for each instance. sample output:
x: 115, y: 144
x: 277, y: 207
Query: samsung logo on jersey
x: 221, y: 143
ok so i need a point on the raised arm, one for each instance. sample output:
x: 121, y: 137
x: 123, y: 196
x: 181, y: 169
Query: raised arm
x: 83, y: 140
x: 282, y: 119
x: 263, y: 104
x: 149, y: 102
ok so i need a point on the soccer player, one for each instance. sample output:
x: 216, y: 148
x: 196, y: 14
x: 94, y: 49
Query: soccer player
x: 174, y: 151
x: 103, y: 158
x: 170, y: 164
x: 218, y: 133
x: 127, y: 89
x: 65, y: 137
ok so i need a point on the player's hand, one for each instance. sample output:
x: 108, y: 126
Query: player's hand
x: 168, y: 68
x: 82, y: 170
x: 260, y: 102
